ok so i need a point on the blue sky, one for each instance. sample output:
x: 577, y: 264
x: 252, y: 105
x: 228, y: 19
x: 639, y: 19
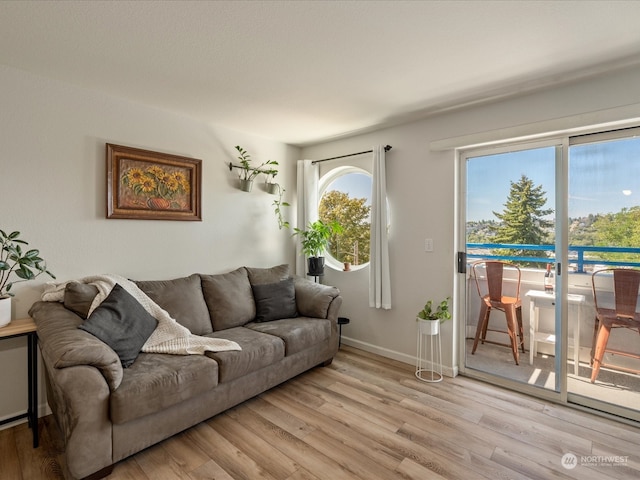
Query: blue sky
x: 357, y: 185
x: 603, y: 178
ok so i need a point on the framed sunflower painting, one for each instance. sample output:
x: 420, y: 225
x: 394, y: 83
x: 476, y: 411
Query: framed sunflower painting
x: 149, y: 185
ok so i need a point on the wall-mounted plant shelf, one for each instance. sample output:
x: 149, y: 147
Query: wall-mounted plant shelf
x: 232, y: 166
x: 248, y: 172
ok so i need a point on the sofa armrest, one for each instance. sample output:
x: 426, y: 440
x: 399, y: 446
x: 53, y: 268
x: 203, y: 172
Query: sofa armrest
x: 66, y: 345
x: 314, y: 299
x: 79, y: 398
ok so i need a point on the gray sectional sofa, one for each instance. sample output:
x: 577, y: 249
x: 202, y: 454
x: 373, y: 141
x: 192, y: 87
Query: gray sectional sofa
x: 107, y: 412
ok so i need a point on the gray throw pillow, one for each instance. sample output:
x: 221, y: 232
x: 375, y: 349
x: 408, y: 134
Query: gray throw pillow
x: 182, y: 298
x: 78, y: 297
x: 259, y: 276
x: 229, y: 299
x: 122, y: 323
x: 275, y: 300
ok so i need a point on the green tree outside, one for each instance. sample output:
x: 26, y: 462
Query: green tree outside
x: 620, y: 229
x: 522, y: 220
x: 352, y: 245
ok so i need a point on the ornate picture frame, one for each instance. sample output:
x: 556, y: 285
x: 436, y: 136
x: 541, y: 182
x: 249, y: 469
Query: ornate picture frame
x: 146, y: 185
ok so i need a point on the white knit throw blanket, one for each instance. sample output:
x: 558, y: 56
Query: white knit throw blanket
x: 168, y: 337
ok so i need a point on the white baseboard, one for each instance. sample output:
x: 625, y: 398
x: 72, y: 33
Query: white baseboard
x: 392, y: 354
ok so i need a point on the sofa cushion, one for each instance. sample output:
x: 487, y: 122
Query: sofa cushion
x: 156, y: 381
x: 298, y: 333
x: 275, y: 300
x: 259, y: 276
x: 122, y: 323
x: 78, y: 297
x: 229, y: 299
x: 258, y: 351
x: 182, y: 298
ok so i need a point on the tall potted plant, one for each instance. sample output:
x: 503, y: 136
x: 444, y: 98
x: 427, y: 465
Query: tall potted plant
x: 314, y: 241
x: 14, y: 261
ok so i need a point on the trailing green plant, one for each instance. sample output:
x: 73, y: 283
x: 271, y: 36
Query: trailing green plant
x: 278, y: 206
x: 26, y: 265
x: 315, y: 238
x: 441, y: 311
x: 248, y: 172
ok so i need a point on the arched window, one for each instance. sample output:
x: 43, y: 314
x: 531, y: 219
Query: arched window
x: 345, y: 196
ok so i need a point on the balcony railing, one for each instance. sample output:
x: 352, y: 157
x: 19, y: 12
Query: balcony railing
x: 578, y: 261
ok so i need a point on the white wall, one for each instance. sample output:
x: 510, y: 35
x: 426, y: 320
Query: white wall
x: 421, y: 184
x: 53, y: 190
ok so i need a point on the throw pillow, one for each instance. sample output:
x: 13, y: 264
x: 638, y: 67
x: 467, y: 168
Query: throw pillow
x: 78, y: 297
x: 259, y: 276
x: 122, y: 323
x: 182, y: 298
x: 275, y: 300
x: 229, y: 299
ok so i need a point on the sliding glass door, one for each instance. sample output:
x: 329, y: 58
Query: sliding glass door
x: 604, y: 233
x: 510, y: 231
x: 551, y: 213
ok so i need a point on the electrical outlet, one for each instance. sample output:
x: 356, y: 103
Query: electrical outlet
x: 428, y: 244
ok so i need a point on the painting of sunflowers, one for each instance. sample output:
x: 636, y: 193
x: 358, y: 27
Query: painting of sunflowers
x: 152, y: 186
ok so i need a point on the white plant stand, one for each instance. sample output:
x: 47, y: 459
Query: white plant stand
x: 429, y: 352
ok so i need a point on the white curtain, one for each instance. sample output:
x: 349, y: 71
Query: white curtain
x: 379, y: 276
x: 307, y: 205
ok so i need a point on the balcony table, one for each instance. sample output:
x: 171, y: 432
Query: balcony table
x: 540, y: 299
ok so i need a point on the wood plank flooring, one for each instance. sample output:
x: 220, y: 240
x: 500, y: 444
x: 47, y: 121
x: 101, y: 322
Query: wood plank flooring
x: 366, y: 417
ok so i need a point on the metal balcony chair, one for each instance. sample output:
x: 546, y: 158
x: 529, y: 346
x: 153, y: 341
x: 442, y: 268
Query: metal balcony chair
x: 494, y: 299
x: 626, y: 283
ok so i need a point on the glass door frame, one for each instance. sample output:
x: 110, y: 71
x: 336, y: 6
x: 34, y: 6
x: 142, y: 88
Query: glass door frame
x: 559, y: 394
x: 575, y: 399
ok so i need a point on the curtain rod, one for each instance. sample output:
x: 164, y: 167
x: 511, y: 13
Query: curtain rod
x: 386, y: 149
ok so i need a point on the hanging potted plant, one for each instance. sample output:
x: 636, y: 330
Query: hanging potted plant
x: 314, y: 241
x: 270, y: 184
x: 26, y: 265
x: 430, y: 318
x: 247, y: 172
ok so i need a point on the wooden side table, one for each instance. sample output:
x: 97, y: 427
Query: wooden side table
x: 19, y: 328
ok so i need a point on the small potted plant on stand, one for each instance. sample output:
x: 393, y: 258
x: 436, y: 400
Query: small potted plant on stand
x: 429, y: 359
x: 247, y: 172
x: 315, y: 240
x: 26, y: 265
x: 433, y: 318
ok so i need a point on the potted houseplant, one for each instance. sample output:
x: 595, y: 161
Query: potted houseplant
x: 247, y: 172
x: 314, y: 241
x: 19, y: 262
x: 430, y: 318
x: 270, y: 181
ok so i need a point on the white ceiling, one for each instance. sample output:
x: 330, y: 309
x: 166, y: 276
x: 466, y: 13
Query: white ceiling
x: 305, y: 71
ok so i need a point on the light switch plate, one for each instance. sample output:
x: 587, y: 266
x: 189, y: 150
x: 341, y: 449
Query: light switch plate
x: 428, y: 244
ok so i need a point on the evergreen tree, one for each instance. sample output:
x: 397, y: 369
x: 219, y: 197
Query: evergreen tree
x: 522, y: 219
x: 352, y: 244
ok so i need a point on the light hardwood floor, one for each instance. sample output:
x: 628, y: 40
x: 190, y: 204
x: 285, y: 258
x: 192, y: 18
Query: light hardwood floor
x: 367, y: 417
